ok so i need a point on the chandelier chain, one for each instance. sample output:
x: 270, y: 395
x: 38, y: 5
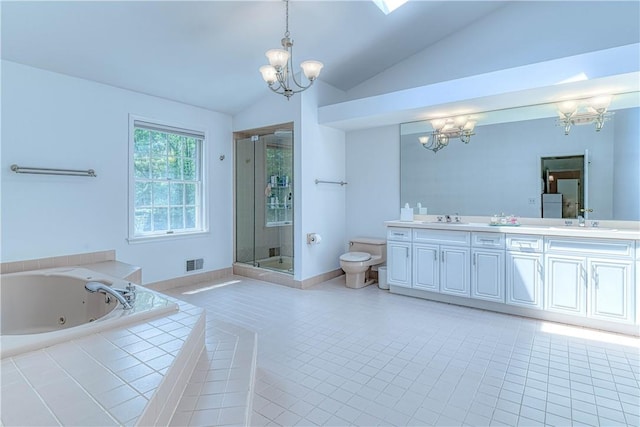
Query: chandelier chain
x: 286, y: 28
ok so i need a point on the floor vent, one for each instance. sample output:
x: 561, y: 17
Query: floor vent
x: 195, y: 264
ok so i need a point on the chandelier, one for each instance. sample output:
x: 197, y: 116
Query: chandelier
x: 278, y: 74
x: 445, y: 129
x: 593, y: 111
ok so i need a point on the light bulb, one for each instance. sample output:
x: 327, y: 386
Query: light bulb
x: 470, y: 125
x: 277, y: 57
x: 600, y: 103
x: 423, y: 139
x: 568, y: 108
x: 438, y: 124
x: 311, y: 69
x: 268, y: 74
x: 460, y: 121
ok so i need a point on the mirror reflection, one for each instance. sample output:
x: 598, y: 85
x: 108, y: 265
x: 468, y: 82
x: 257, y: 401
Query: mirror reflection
x: 542, y: 161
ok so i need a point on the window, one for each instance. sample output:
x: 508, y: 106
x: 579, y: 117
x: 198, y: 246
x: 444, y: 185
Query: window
x: 166, y: 184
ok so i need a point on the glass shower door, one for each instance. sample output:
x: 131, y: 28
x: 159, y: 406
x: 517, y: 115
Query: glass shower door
x: 245, y: 201
x: 264, y: 201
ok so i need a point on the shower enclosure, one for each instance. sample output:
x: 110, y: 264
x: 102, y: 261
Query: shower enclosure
x: 264, y: 198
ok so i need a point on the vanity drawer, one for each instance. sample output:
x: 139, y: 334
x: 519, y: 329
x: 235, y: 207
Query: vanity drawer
x: 618, y: 248
x: 444, y: 237
x: 487, y: 240
x: 524, y: 243
x: 399, y: 234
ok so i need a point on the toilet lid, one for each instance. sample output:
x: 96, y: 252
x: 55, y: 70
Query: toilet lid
x: 355, y: 256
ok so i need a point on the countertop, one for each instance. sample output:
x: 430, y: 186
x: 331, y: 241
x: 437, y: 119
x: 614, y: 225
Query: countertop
x: 630, y: 231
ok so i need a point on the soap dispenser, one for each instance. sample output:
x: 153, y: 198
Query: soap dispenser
x: 406, y: 213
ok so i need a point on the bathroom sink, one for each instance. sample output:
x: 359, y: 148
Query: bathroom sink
x: 445, y: 223
x: 474, y: 224
x: 584, y: 228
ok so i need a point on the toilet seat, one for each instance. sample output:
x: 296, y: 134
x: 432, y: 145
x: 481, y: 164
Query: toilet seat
x: 355, y: 257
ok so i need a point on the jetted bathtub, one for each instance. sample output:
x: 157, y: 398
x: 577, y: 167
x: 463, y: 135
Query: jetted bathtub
x: 45, y: 307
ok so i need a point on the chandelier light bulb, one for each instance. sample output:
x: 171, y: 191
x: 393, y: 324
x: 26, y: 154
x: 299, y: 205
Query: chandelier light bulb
x: 277, y: 58
x: 423, y: 139
x: 438, y: 124
x: 470, y: 125
x: 311, y: 69
x: 268, y: 74
x: 600, y: 103
x: 460, y: 121
x: 568, y: 108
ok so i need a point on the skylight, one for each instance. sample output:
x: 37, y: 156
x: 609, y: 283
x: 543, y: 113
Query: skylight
x: 388, y: 6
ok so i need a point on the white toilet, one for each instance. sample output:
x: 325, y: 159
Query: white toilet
x: 363, y: 253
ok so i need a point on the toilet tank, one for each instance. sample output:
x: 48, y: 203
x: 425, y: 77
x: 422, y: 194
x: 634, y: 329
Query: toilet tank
x: 369, y: 245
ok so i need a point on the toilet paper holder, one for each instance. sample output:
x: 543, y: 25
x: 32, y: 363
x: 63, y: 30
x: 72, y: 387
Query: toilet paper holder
x: 313, y: 238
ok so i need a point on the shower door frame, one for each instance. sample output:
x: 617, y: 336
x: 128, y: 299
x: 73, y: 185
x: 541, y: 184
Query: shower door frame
x: 246, y: 134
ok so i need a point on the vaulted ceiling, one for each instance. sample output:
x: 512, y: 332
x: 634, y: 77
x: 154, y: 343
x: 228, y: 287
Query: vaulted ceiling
x: 207, y: 53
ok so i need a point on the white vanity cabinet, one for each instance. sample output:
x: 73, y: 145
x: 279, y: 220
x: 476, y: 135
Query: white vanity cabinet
x: 441, y: 261
x: 488, y: 266
x: 524, y: 270
x: 590, y: 277
x: 426, y: 267
x: 586, y: 277
x: 399, y: 256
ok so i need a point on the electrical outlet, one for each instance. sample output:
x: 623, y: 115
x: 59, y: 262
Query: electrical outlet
x: 532, y: 200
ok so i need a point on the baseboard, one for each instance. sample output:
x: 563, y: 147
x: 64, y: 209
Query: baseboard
x: 282, y: 278
x: 191, y: 279
x: 312, y: 281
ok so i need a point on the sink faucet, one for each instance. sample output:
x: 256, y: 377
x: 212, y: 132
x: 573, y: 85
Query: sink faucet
x: 124, y: 296
x: 448, y: 218
x: 580, y: 221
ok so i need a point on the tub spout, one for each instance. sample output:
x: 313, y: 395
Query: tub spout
x: 119, y: 294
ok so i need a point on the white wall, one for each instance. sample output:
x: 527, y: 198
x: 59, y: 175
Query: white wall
x: 626, y: 162
x: 53, y: 120
x: 373, y: 174
x: 518, y: 33
x: 323, y: 205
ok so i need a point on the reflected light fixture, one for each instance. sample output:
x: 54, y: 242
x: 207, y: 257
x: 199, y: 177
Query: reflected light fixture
x: 278, y: 74
x: 444, y: 129
x: 585, y: 112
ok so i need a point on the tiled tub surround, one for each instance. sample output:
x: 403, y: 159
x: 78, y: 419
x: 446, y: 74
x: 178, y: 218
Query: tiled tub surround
x: 102, y: 262
x: 131, y: 374
x: 46, y: 285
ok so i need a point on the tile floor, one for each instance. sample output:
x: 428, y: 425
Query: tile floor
x: 336, y: 356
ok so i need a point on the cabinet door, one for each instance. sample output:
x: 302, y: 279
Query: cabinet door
x: 565, y: 284
x: 454, y: 270
x: 399, y: 263
x: 487, y: 274
x: 523, y: 280
x: 611, y: 291
x: 426, y: 267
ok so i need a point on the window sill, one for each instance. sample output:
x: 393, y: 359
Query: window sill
x: 165, y: 237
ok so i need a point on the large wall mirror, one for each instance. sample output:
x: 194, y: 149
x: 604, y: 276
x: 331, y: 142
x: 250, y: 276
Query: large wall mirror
x: 521, y: 160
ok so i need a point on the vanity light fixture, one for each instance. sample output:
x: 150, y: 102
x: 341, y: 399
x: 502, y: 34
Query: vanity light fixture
x: 278, y: 74
x: 584, y: 112
x: 444, y: 129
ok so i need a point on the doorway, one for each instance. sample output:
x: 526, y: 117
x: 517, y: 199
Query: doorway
x: 264, y: 198
x: 564, y: 186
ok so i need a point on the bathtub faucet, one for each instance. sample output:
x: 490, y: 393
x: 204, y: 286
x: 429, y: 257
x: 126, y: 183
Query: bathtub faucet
x: 122, y: 295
